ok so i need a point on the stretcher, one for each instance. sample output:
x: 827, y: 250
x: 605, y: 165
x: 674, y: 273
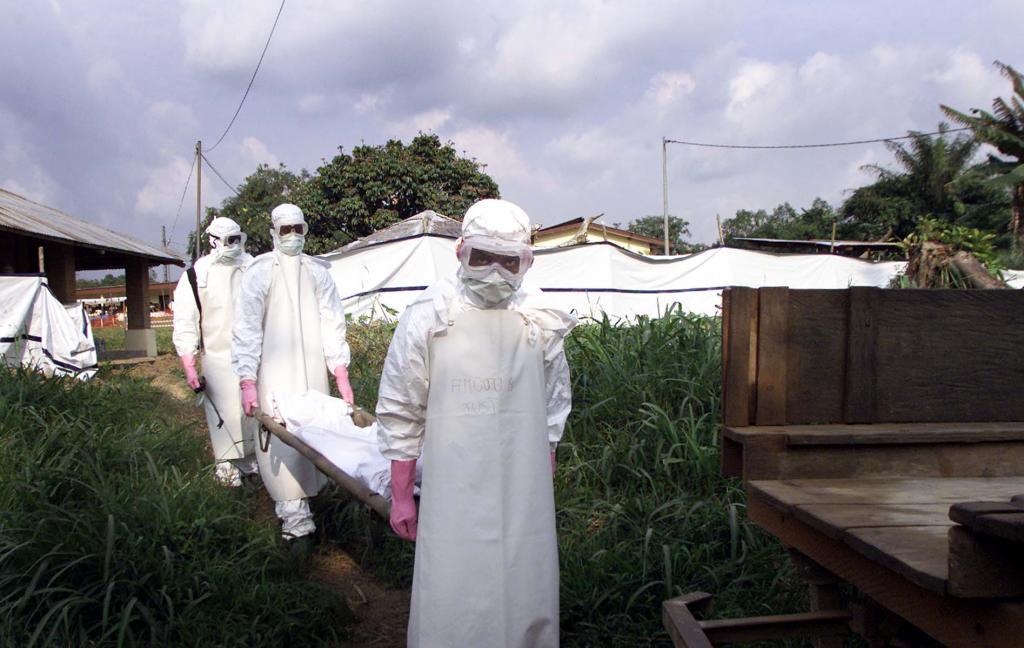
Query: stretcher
x: 350, y: 484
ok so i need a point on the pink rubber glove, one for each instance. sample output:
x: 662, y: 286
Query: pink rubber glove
x: 554, y: 462
x: 344, y: 388
x: 403, y: 508
x: 250, y: 400
x: 188, y: 363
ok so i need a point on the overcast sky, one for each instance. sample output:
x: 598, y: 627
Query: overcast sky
x: 566, y: 102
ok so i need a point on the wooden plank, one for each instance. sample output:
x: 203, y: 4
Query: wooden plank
x: 772, y: 351
x: 887, y: 433
x: 919, y: 554
x: 929, y: 490
x: 682, y: 627
x: 967, y: 512
x: 816, y: 356
x: 832, y: 623
x: 859, y: 401
x: 950, y: 355
x: 770, y: 457
x: 835, y: 519
x: 954, y: 622
x: 1005, y: 526
x: 983, y: 567
x: 739, y: 376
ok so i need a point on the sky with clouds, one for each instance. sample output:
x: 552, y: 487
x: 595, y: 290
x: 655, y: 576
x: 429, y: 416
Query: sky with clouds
x: 565, y: 102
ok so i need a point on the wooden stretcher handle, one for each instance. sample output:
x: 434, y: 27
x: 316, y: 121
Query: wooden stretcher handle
x: 356, y: 488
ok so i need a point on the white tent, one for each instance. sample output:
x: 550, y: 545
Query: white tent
x: 38, y: 331
x: 380, y: 280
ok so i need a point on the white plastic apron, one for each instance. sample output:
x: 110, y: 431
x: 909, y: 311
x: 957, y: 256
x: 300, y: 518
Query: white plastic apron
x: 486, y: 571
x: 234, y: 439
x: 292, y: 361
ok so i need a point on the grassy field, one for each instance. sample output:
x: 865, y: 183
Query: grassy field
x: 112, y: 339
x: 643, y: 514
x: 113, y: 532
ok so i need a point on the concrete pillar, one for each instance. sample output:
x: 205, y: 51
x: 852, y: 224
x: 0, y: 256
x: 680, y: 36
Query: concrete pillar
x: 59, y: 260
x: 139, y: 336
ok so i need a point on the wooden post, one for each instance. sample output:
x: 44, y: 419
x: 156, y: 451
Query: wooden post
x: 772, y: 352
x: 739, y: 355
x: 61, y: 272
x: 860, y: 402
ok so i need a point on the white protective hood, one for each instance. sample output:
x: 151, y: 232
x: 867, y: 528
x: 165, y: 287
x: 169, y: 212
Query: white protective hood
x: 36, y: 330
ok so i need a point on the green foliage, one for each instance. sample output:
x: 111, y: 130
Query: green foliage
x: 936, y: 180
x: 107, y: 280
x: 678, y: 233
x: 928, y: 266
x: 114, y: 532
x: 1003, y: 128
x: 814, y: 222
x: 354, y: 195
x: 642, y: 511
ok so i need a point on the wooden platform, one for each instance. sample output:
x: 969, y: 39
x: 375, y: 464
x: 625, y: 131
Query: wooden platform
x: 902, y: 524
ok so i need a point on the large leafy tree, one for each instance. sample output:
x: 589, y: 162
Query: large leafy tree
x: 1003, y: 128
x: 678, y: 232
x: 355, y: 194
x: 784, y: 222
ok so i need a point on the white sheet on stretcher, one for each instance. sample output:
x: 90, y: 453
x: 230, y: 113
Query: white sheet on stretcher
x: 324, y: 423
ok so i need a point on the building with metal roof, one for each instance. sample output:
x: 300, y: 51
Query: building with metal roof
x: 36, y: 238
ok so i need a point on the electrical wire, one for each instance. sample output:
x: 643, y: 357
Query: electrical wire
x: 807, y: 146
x: 181, y: 202
x: 249, y: 87
x: 217, y: 173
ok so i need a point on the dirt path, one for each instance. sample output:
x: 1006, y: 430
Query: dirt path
x: 381, y: 612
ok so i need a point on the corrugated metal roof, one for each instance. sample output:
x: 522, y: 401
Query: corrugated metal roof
x: 425, y: 222
x: 821, y: 242
x: 23, y: 215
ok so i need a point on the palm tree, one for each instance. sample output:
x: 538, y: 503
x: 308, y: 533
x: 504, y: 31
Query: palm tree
x: 1003, y: 128
x: 932, y: 167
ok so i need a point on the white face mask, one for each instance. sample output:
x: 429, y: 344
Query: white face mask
x: 230, y: 251
x: 491, y: 290
x: 291, y: 244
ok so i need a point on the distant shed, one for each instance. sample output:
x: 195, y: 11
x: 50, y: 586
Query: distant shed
x: 70, y: 244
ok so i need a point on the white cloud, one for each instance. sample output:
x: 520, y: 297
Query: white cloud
x: 161, y: 193
x: 257, y: 152
x: 424, y: 122
x: 502, y: 157
x: 667, y: 88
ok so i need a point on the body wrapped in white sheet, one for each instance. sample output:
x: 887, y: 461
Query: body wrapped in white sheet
x: 325, y: 424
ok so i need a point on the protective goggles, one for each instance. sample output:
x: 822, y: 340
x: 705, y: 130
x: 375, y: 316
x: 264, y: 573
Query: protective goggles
x: 233, y: 239
x: 298, y: 228
x: 480, y: 255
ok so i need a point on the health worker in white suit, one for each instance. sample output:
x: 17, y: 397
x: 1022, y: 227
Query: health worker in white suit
x: 203, y: 314
x: 289, y: 335
x: 476, y: 379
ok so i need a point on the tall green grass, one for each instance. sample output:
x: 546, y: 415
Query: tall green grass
x: 112, y: 531
x: 642, y: 512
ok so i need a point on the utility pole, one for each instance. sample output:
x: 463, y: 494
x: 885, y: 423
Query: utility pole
x: 163, y: 242
x: 199, y: 194
x: 664, y: 185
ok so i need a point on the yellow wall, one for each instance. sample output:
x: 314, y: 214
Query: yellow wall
x: 594, y: 235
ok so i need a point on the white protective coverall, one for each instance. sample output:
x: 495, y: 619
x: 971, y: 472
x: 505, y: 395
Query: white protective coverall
x: 289, y: 332
x: 218, y: 277
x: 485, y: 393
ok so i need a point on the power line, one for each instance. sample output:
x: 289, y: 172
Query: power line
x: 807, y: 146
x: 217, y: 173
x: 182, y: 201
x: 249, y: 87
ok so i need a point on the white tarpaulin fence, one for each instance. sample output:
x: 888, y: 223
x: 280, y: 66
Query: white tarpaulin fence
x: 36, y: 330
x: 598, y: 278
